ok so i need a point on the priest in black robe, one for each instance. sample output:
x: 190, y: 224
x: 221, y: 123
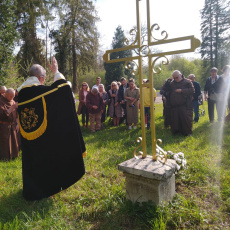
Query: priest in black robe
x: 52, y: 142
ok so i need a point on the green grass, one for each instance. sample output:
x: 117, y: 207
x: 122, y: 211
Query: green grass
x: 98, y: 201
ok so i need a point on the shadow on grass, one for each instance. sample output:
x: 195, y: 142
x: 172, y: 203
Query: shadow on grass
x: 119, y: 213
x: 14, y: 206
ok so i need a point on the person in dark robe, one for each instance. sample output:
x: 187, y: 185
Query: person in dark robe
x: 121, y: 97
x: 52, y: 143
x: 195, y: 96
x: 9, y: 148
x: 181, y: 94
x: 165, y: 92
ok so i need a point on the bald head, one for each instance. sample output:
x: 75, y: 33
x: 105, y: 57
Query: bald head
x: 177, y: 76
x: 10, y: 94
x: 2, y: 90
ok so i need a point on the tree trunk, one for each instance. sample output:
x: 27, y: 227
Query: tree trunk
x: 74, y: 88
x: 211, y: 35
x: 216, y: 34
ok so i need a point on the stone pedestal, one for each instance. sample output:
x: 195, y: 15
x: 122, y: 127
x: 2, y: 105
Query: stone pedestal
x: 149, y: 180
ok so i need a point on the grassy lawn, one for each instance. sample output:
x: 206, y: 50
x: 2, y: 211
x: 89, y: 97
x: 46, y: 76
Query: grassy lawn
x: 98, y: 201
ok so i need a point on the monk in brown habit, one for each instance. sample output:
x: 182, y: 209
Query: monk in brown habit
x: 9, y: 148
x: 181, y: 104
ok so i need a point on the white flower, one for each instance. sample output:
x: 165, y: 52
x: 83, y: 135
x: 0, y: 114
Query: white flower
x: 170, y: 153
x: 178, y: 167
x: 184, y: 162
x: 180, y: 154
x: 178, y: 161
x: 175, y: 156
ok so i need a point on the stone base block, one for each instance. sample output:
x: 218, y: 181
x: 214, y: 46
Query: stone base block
x: 149, y: 180
x: 141, y: 189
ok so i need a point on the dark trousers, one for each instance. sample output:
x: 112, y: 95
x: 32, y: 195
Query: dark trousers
x: 103, y: 115
x: 219, y: 108
x: 85, y: 114
x: 147, y: 112
x: 196, y: 110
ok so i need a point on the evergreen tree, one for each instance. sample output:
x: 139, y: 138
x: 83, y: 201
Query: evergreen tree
x: 215, y: 32
x: 114, y: 71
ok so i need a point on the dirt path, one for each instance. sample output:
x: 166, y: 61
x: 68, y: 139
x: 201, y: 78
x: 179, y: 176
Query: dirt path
x: 159, y: 98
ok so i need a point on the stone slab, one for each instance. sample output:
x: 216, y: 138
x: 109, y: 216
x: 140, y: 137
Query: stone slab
x: 148, y: 168
x: 140, y: 189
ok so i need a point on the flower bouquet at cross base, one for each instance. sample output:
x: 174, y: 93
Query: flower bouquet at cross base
x: 179, y: 158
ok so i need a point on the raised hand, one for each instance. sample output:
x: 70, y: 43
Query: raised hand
x: 54, y: 66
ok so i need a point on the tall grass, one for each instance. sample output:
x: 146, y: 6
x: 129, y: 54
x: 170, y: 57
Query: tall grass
x: 98, y: 201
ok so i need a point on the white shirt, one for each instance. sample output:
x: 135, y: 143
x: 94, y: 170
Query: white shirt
x: 95, y: 86
x: 34, y: 80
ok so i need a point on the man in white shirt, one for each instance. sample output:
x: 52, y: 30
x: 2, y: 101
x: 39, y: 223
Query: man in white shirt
x: 98, y: 82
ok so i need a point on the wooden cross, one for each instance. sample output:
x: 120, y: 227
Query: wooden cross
x: 152, y: 59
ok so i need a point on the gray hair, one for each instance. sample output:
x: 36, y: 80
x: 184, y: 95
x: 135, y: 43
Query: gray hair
x: 95, y: 90
x: 37, y: 70
x: 101, y: 85
x: 192, y: 75
x: 176, y: 72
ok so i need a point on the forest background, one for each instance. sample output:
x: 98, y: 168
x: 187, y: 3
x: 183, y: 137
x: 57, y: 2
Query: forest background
x: 75, y: 42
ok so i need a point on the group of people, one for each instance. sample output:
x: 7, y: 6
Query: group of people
x: 50, y: 136
x: 182, y: 97
x: 121, y: 103
x: 9, y: 128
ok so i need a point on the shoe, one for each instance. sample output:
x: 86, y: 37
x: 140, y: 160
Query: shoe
x: 134, y: 127
x: 130, y: 127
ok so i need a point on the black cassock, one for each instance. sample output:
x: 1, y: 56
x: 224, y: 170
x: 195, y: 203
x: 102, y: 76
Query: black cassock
x: 52, y: 143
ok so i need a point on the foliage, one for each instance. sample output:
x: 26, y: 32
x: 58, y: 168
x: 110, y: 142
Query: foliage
x: 98, y: 200
x: 114, y: 71
x: 193, y: 66
x: 29, y: 14
x: 90, y: 78
x: 8, y: 35
x: 76, y: 41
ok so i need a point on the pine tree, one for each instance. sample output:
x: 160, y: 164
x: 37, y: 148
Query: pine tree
x: 114, y: 71
x: 215, y: 31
